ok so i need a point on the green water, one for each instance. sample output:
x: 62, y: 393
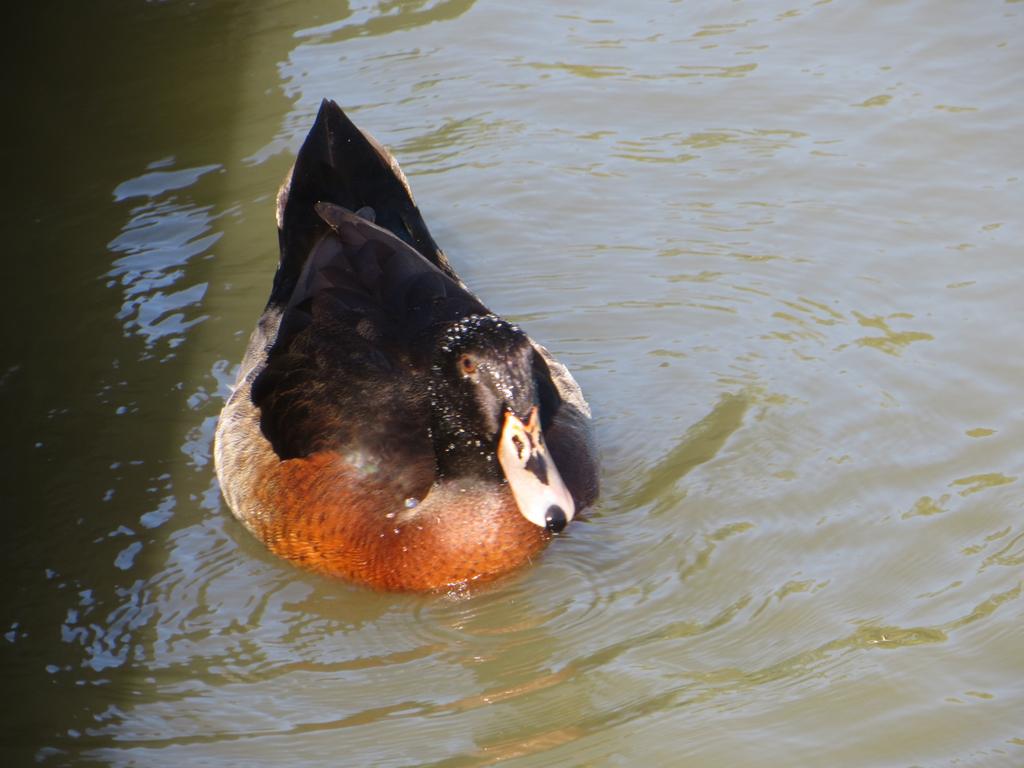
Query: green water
x: 780, y: 247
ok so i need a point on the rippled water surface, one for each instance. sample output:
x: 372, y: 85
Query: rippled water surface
x: 778, y: 243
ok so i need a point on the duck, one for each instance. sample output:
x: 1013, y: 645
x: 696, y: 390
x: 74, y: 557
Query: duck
x: 385, y: 426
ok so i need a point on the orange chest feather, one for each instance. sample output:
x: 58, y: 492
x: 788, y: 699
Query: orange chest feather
x: 326, y: 517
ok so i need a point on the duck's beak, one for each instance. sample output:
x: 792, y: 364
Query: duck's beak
x: 533, y: 477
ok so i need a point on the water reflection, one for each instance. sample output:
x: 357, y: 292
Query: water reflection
x: 699, y: 444
x: 384, y: 17
x: 160, y: 239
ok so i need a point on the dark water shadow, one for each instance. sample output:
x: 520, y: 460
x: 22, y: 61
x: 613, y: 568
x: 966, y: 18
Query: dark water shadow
x: 105, y: 91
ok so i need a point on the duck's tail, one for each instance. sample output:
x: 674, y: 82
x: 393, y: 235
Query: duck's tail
x: 340, y: 164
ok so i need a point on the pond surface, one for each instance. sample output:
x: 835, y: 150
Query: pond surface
x: 778, y: 243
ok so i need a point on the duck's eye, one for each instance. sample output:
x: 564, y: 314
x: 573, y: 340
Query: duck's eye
x: 467, y: 365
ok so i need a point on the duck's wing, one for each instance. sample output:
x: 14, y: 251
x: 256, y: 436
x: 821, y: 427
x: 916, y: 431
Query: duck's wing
x: 347, y: 371
x: 341, y: 164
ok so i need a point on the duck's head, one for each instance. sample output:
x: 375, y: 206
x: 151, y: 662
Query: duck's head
x: 486, y: 416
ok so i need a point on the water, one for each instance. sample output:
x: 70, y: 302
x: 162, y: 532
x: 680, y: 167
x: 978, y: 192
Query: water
x: 778, y: 244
